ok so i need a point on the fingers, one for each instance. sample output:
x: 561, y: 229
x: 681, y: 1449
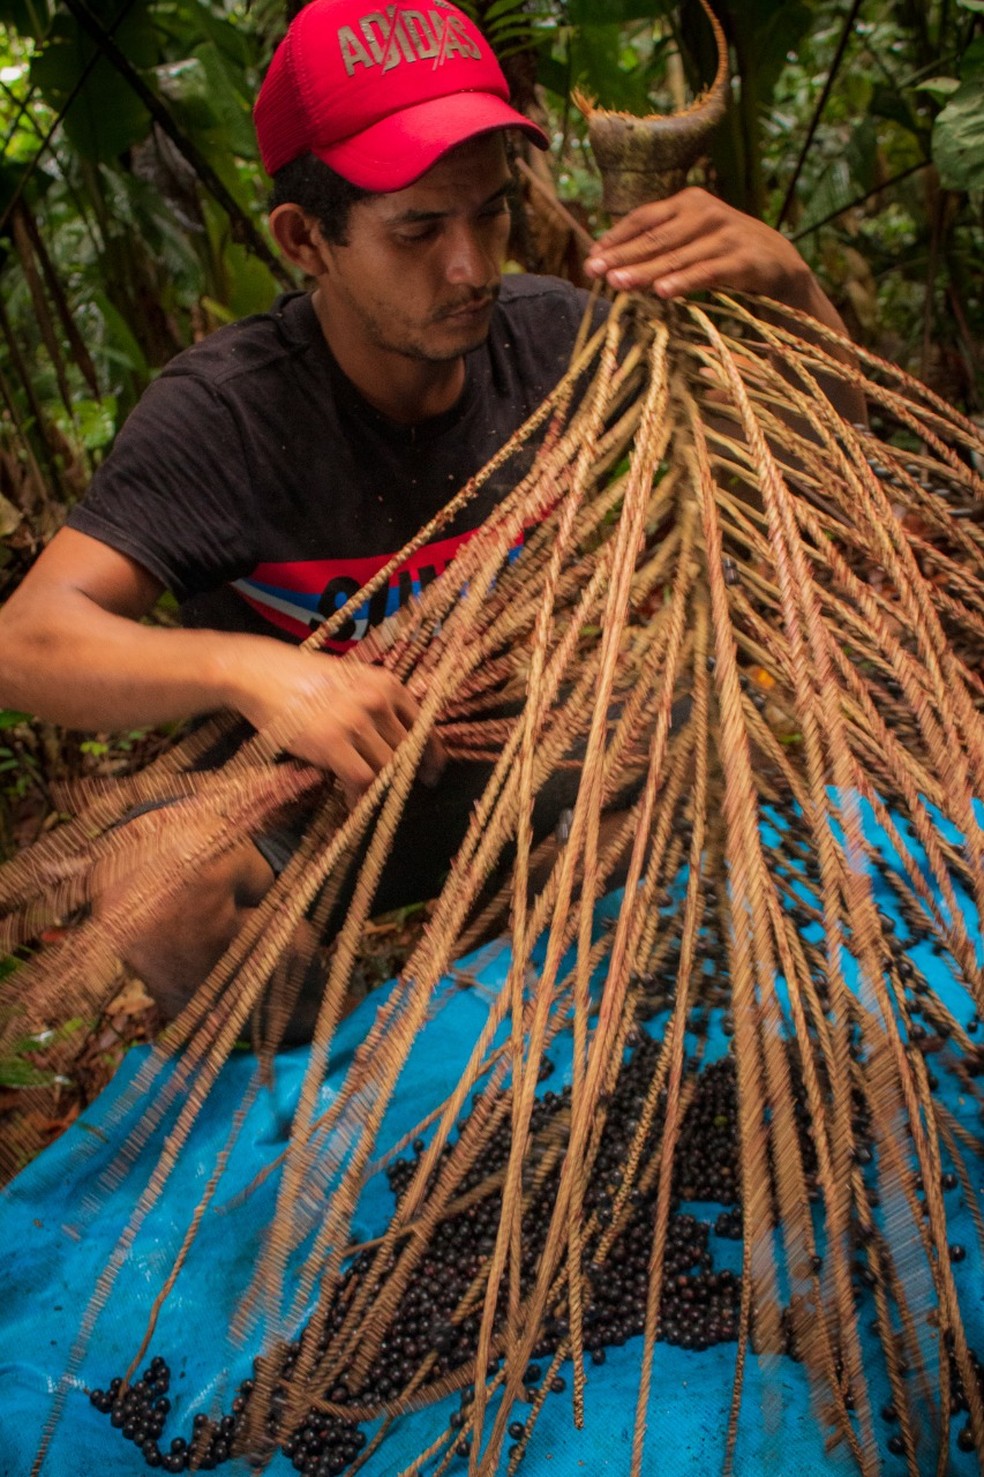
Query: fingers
x: 655, y: 216
x: 376, y: 745
x: 406, y: 710
x: 360, y: 719
x: 355, y: 752
x: 432, y: 762
x: 355, y: 779
x: 383, y: 712
x: 345, y: 717
x: 404, y: 703
x: 631, y: 253
x: 692, y: 242
x: 674, y: 273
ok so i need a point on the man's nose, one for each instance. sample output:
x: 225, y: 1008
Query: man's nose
x: 469, y: 261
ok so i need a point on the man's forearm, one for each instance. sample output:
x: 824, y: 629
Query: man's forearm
x: 844, y: 396
x: 88, y: 668
x: 91, y: 668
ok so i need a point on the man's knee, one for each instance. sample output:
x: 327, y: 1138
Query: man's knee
x: 185, y: 937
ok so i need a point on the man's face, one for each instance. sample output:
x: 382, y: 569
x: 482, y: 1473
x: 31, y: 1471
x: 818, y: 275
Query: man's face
x: 421, y: 268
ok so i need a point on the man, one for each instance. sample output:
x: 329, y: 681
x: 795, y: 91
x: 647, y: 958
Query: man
x: 273, y: 468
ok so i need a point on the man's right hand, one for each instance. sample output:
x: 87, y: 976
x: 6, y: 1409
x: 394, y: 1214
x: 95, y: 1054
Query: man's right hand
x: 74, y: 650
x: 348, y: 718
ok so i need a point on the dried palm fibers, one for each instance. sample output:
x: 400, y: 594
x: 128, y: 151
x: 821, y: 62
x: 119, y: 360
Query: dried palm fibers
x: 770, y: 621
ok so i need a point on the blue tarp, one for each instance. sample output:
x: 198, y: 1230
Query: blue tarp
x: 56, y: 1236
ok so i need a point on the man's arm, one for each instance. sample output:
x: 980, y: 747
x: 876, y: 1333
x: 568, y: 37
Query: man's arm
x: 73, y: 651
x: 694, y: 242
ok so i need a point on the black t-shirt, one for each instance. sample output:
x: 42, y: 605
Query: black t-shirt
x: 255, y: 481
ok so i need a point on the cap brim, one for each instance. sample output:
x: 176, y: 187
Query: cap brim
x: 399, y: 149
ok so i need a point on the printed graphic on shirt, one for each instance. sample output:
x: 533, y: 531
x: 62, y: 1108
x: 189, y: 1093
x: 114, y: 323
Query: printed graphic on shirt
x: 297, y: 596
x: 387, y: 38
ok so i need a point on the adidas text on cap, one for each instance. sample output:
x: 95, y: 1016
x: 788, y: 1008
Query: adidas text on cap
x: 379, y: 94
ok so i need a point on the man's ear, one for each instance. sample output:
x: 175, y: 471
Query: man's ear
x: 298, y: 235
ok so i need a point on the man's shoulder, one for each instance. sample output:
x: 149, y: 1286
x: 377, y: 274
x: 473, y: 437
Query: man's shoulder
x: 545, y: 313
x: 533, y: 334
x: 529, y: 292
x: 252, y: 345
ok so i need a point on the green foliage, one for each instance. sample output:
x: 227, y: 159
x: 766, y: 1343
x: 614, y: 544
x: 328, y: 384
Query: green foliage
x: 508, y: 24
x: 18, y: 1071
x: 103, y: 117
x: 93, y: 421
x: 18, y: 772
x: 130, y: 234
x: 908, y: 90
x: 615, y: 53
x: 19, y: 1067
x: 24, y: 17
x: 958, y: 133
x: 771, y: 34
x: 205, y: 100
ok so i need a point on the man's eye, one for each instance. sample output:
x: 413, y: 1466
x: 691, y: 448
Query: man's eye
x: 411, y: 234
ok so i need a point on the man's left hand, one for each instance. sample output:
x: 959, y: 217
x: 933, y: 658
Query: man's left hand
x: 691, y: 242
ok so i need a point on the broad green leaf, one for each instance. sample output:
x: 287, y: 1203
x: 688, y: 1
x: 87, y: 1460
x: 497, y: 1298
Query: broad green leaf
x: 214, y: 148
x: 862, y: 156
x: 596, y: 68
x: 202, y: 97
x: 248, y: 285
x: 503, y: 7
x: 10, y: 517
x: 219, y: 311
x: 958, y: 132
x: 958, y: 138
x: 121, y: 344
x: 184, y: 86
x: 939, y: 87
x: 230, y: 107
x: 253, y: 286
x: 972, y: 62
x: 95, y: 422
x: 888, y: 102
x: 189, y: 22
x: 26, y: 17
x: 772, y: 33
x: 15, y: 1072
x: 11, y: 718
x: 832, y: 193
x: 554, y: 74
x: 106, y: 117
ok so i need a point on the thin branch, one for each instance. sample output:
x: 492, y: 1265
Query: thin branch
x: 56, y: 124
x: 22, y: 104
x: 80, y: 352
x: 860, y: 199
x: 243, y: 228
x: 34, y: 404
x: 845, y: 36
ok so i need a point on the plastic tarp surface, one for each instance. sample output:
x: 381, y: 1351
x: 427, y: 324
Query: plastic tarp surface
x: 59, y: 1224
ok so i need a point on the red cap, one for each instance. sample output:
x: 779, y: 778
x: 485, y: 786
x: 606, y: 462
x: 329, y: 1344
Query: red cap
x: 379, y: 94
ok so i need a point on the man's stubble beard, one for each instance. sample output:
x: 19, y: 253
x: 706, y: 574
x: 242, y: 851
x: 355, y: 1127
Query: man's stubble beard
x: 417, y: 349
